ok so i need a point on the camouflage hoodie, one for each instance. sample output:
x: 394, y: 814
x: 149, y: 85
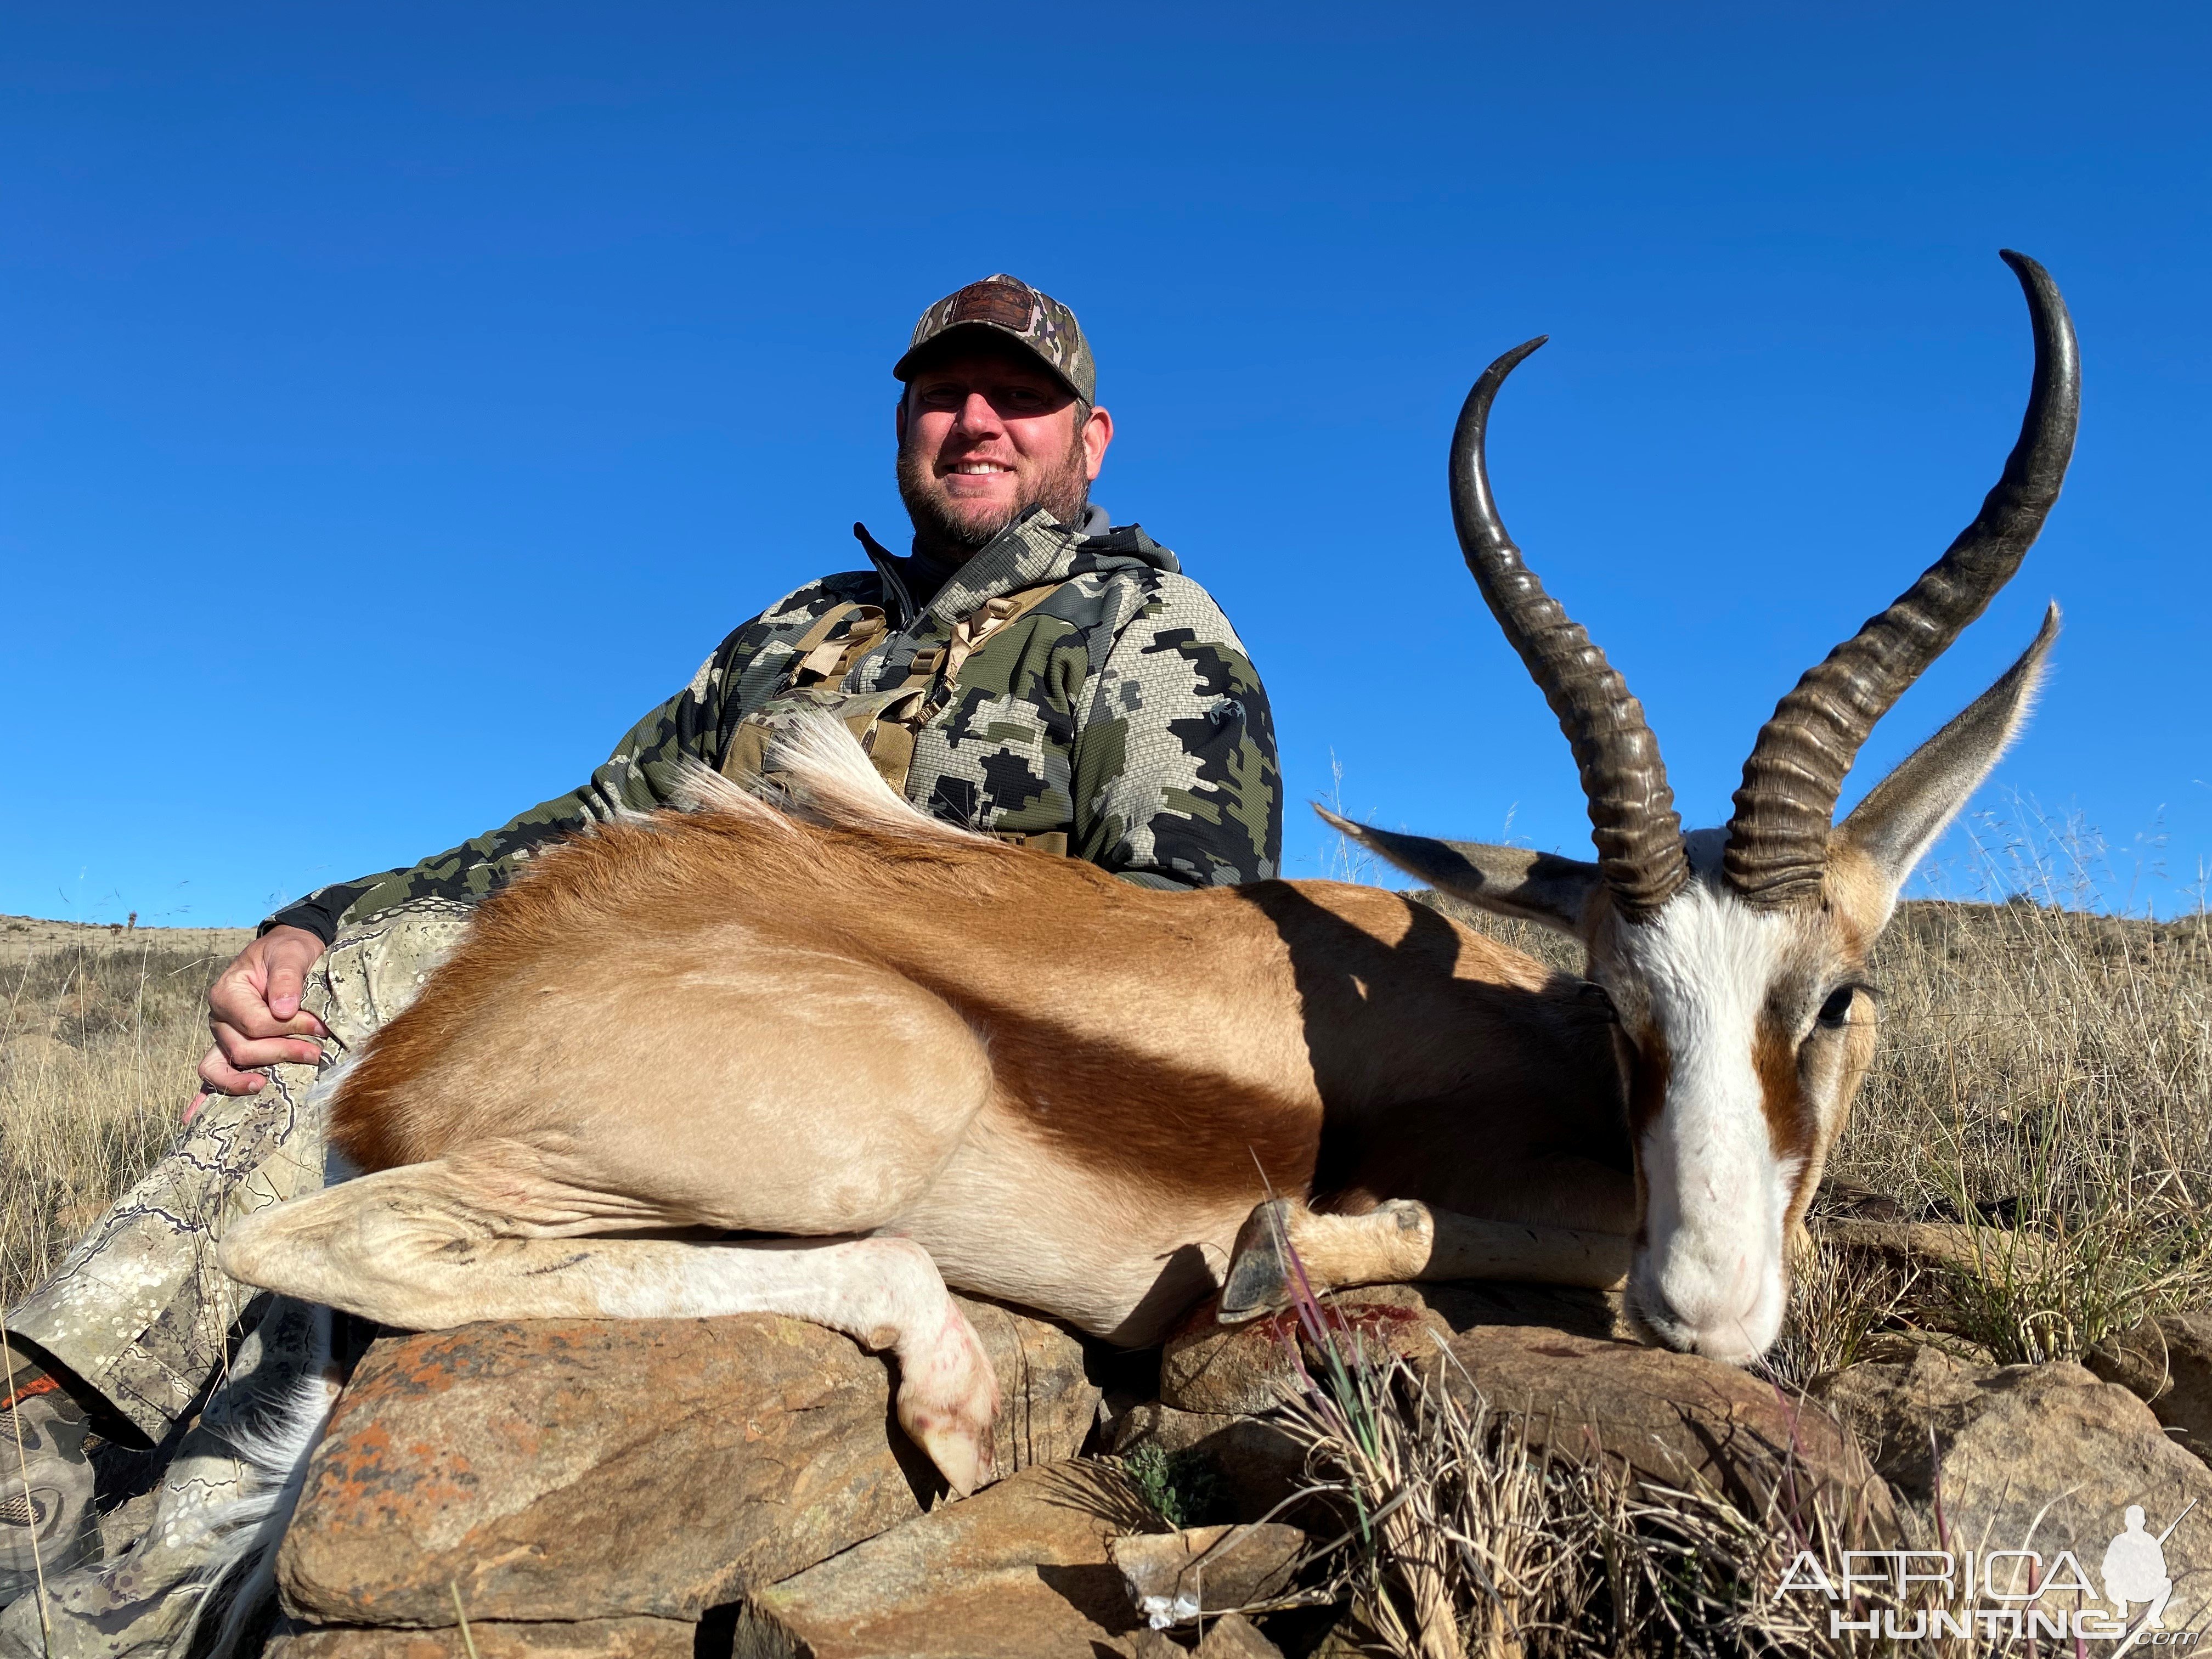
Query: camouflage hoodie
x: 1120, y: 712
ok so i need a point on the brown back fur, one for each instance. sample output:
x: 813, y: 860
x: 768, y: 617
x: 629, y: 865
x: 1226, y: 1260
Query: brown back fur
x: 1177, y: 1036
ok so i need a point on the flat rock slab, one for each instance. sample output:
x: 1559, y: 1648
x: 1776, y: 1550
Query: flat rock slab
x: 597, y: 1469
x: 1018, y: 1572
x: 1205, y: 1366
x: 1674, y: 1417
x: 2034, y: 1457
x: 1174, y: 1577
x: 596, y: 1638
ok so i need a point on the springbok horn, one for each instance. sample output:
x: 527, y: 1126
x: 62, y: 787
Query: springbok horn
x: 1778, y: 840
x: 1632, y: 817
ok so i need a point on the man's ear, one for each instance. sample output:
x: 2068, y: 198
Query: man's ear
x: 898, y: 418
x: 1098, y: 433
x: 1565, y: 893
x: 1896, y: 824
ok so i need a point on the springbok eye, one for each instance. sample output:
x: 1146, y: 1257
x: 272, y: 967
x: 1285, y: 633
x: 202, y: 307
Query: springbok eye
x: 1836, y: 1010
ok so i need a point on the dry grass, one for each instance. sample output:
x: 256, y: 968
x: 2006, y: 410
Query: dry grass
x: 1460, y: 1538
x: 98, y: 1039
x: 2049, y: 1072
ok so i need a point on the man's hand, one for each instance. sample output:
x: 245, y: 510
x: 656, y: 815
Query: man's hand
x: 254, y: 1009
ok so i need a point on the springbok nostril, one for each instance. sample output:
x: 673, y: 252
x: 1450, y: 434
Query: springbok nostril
x: 1661, y: 1318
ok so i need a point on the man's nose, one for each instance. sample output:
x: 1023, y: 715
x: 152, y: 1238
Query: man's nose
x: 977, y: 415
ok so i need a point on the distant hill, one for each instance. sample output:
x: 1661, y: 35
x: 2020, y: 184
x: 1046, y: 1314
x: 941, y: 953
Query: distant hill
x: 23, y: 936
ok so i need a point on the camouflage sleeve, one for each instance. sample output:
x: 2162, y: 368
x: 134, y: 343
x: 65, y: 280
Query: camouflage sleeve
x: 1175, y: 779
x: 638, y: 776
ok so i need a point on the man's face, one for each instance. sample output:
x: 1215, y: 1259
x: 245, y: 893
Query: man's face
x: 983, y: 435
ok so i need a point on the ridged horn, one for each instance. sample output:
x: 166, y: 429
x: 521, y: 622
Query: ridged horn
x: 1632, y: 817
x: 1778, y: 839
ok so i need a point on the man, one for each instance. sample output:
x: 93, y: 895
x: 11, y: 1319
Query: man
x: 1025, y: 669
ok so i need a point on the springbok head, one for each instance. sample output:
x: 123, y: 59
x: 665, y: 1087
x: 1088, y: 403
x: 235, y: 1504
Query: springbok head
x: 1736, y: 958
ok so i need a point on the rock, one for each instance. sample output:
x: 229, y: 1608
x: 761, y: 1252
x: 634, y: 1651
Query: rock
x: 1242, y: 1369
x: 2040, y: 1457
x: 725, y: 1454
x: 1350, y: 1637
x: 595, y: 1638
x: 2165, y: 1362
x: 1230, y: 1637
x: 1672, y: 1418
x: 1580, y: 1312
x: 1174, y: 1576
x: 1842, y: 1200
x: 1020, y: 1571
x: 1235, y: 1636
x: 1229, y: 1369
x: 1979, y: 1252
x: 1258, y: 1465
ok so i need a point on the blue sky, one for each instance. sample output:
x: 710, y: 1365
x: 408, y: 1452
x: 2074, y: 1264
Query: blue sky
x: 401, y: 400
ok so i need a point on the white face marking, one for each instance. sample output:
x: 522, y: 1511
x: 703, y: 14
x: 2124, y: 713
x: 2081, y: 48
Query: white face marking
x: 1710, y: 1279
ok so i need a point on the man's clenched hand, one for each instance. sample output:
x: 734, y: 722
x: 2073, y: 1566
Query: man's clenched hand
x: 254, y: 1009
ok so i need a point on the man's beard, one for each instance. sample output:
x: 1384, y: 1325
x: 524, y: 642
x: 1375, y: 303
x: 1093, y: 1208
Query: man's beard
x: 1062, y: 492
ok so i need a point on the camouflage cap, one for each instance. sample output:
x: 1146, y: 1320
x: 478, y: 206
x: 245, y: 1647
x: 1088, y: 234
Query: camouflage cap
x: 1010, y: 308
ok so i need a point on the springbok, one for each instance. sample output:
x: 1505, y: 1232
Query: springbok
x: 922, y: 1058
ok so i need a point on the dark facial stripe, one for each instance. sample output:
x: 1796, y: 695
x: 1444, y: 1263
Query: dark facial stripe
x: 1790, y: 1129
x: 1650, y: 1066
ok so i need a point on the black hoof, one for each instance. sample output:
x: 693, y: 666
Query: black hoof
x: 1259, y: 1279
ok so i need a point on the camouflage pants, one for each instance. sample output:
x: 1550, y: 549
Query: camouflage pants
x: 140, y: 1602
x: 139, y: 1310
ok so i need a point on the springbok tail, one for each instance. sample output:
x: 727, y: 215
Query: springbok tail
x: 819, y: 772
x: 238, y: 1586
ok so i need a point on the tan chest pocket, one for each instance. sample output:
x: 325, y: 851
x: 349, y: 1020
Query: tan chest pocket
x: 886, y: 721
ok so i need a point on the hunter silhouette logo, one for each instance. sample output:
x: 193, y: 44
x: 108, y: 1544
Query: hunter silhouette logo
x: 2006, y: 1592
x: 2134, y: 1570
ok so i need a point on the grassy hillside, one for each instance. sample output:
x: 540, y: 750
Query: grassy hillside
x: 98, y: 1033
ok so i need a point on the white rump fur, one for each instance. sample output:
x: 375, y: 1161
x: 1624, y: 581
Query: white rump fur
x: 821, y: 775
x: 239, y: 1581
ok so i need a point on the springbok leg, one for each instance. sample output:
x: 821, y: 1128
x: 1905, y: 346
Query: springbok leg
x: 1401, y: 1241
x: 430, y: 1246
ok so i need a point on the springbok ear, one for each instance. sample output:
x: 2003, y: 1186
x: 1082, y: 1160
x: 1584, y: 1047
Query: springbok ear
x: 1896, y: 824
x: 1509, y: 881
